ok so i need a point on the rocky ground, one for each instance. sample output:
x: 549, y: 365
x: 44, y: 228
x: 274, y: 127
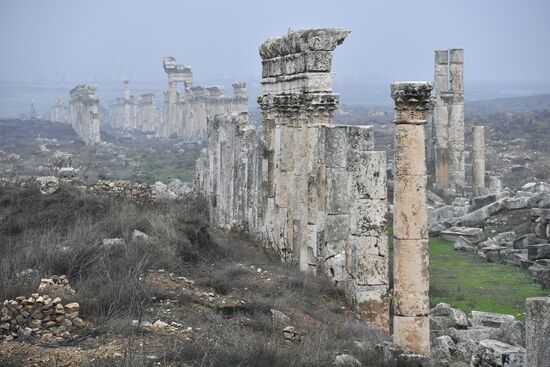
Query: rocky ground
x: 154, y: 286
x: 28, y: 147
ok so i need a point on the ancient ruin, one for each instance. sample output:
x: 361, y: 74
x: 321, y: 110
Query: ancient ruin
x: 448, y: 120
x: 313, y: 191
x: 478, y: 161
x: 147, y: 114
x: 59, y: 112
x: 123, y: 111
x: 185, y: 111
x: 411, y: 327
x: 84, y: 113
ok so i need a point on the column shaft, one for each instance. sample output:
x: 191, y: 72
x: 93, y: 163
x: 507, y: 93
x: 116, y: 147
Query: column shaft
x: 411, y: 279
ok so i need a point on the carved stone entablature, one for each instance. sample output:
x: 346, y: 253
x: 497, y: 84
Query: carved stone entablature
x: 411, y: 101
x: 300, y: 102
x: 303, y: 40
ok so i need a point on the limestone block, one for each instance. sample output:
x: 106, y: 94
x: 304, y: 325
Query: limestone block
x: 336, y: 146
x: 338, y: 191
x: 537, y: 327
x: 368, y: 269
x: 337, y: 227
x: 494, y: 353
x: 411, y: 278
x: 480, y: 318
x: 368, y: 175
x: 377, y: 246
x: 413, y: 333
x: 373, y: 305
x: 361, y: 138
x: 368, y: 217
x: 410, y: 155
x: 335, y: 268
x: 410, y: 207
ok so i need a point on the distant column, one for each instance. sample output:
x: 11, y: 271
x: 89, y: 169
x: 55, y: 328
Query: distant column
x: 478, y: 161
x: 411, y: 279
x: 441, y: 119
x: 537, y: 331
x: 456, y: 119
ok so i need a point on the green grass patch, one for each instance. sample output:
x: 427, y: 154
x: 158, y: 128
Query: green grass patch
x: 468, y: 282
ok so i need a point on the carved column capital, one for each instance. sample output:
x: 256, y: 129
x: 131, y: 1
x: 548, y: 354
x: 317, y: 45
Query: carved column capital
x: 412, y: 101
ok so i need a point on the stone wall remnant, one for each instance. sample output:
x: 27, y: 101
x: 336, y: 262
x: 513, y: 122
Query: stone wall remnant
x: 314, y: 192
x: 84, y: 113
x: 411, y: 326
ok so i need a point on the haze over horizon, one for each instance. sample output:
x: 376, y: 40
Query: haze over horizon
x: 105, y: 40
x: 64, y: 43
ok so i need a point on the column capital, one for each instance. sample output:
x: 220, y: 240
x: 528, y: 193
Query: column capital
x: 412, y: 100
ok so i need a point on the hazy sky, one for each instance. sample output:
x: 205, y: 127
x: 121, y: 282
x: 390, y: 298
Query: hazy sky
x: 504, y: 40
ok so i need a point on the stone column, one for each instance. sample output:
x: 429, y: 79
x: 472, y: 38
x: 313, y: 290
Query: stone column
x: 456, y: 119
x: 478, y: 161
x: 537, y: 330
x: 411, y: 326
x: 441, y: 119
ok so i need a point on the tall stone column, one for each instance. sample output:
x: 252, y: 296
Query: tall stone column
x: 410, y: 228
x: 478, y: 161
x: 441, y: 119
x: 456, y: 119
x: 537, y: 331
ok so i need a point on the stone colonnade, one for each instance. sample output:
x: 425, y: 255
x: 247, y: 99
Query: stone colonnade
x: 147, y: 112
x: 84, y: 113
x: 185, y: 111
x: 59, y: 112
x: 314, y: 192
x: 411, y: 325
x: 196, y: 103
x: 123, y: 111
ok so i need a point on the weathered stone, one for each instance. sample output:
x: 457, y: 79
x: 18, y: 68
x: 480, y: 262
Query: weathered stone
x: 442, y: 348
x: 491, y: 319
x: 48, y: 184
x: 492, y: 353
x: 411, y: 279
x: 449, y: 317
x: 346, y: 360
x: 472, y: 234
x: 537, y: 325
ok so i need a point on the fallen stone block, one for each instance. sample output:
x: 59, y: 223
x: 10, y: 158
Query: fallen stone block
x: 540, y: 274
x: 480, y: 215
x: 492, y: 353
x: 538, y: 251
x: 473, y: 235
x: 517, y: 202
x: 480, y: 318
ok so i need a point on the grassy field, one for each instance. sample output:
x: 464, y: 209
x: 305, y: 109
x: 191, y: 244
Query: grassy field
x: 465, y: 281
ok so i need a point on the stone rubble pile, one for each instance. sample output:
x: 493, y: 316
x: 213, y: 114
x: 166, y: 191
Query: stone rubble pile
x: 42, y: 315
x: 460, y: 223
x: 486, y: 339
